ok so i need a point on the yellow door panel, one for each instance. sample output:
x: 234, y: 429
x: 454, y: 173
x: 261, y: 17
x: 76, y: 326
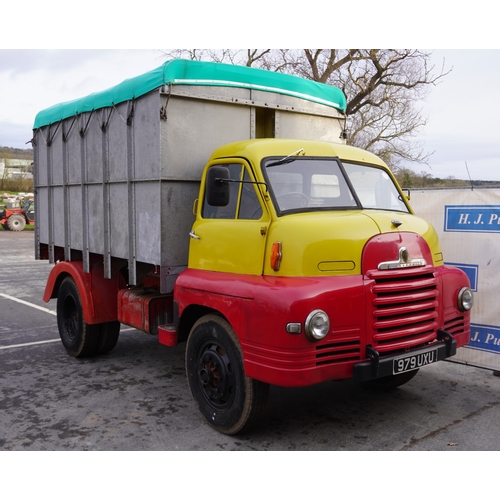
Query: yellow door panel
x: 232, y: 238
x: 232, y: 246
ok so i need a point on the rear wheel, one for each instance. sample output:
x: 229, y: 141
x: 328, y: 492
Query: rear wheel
x: 108, y: 336
x: 229, y: 400
x: 79, y: 338
x: 391, y: 382
x: 16, y: 222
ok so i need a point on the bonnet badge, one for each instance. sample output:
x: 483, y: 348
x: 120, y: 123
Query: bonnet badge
x: 403, y: 261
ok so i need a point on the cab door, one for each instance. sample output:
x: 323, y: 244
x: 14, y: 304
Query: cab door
x: 232, y: 238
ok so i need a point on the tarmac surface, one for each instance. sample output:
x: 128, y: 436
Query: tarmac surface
x: 136, y: 397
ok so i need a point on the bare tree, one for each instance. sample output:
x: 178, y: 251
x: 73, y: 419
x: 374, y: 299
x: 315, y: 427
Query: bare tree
x: 383, y: 88
x: 243, y: 57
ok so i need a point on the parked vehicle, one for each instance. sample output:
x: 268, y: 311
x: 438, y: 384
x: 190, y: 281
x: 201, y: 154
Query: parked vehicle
x: 219, y: 206
x: 15, y: 219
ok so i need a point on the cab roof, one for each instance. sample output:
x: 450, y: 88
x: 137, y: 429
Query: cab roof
x: 261, y: 148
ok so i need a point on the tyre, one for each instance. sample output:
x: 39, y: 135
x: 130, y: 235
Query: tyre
x: 228, y: 400
x: 391, y: 382
x: 6, y: 227
x: 16, y: 222
x: 108, y: 336
x: 79, y: 339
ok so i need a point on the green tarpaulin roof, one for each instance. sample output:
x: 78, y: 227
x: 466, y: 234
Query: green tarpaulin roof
x: 185, y: 72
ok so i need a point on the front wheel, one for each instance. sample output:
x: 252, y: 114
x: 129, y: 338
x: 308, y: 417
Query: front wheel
x: 79, y: 338
x: 229, y: 400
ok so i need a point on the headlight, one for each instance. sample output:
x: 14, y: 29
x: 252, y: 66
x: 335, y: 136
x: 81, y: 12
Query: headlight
x: 465, y: 299
x: 317, y: 325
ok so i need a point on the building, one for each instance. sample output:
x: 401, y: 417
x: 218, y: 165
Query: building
x: 16, y: 169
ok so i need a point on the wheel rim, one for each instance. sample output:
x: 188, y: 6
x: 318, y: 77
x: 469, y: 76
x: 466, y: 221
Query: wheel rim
x: 71, y: 318
x: 215, y: 376
x: 16, y: 223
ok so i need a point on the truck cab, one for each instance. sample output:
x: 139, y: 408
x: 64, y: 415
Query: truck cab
x: 321, y: 201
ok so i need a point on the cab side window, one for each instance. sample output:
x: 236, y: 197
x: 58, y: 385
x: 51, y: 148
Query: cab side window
x: 243, y: 200
x: 249, y: 206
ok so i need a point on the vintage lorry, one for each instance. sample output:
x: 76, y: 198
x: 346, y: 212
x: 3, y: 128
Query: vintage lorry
x: 219, y: 206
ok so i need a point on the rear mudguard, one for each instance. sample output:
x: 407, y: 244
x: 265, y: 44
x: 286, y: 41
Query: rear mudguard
x: 98, y: 295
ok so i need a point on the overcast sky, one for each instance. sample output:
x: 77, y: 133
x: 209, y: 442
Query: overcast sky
x: 462, y: 111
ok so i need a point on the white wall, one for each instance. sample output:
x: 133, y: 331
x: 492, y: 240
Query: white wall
x: 468, y: 224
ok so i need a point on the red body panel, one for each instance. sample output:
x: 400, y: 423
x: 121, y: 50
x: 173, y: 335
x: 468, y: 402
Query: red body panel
x: 259, y: 308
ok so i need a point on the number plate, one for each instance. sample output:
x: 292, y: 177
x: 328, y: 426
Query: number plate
x: 414, y: 361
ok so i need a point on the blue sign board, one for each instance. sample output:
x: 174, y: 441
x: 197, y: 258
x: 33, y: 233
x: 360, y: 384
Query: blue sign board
x: 472, y: 218
x: 485, y: 338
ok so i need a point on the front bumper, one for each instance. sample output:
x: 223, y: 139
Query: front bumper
x: 378, y: 367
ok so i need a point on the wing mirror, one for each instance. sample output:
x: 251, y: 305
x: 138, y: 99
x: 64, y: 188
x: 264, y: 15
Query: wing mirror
x: 217, y: 186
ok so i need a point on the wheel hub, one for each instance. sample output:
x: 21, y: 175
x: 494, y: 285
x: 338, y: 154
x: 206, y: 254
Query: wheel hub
x: 215, y: 376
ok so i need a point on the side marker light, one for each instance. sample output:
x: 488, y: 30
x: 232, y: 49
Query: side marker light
x: 276, y: 256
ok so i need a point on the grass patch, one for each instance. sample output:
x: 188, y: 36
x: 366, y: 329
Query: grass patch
x: 28, y: 227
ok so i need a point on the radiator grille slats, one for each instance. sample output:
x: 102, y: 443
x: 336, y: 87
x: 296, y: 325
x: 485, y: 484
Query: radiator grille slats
x: 405, y: 309
x: 338, y: 352
x: 455, y: 325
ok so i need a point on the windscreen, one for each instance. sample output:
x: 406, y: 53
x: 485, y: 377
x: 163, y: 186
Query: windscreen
x: 374, y: 188
x: 305, y: 184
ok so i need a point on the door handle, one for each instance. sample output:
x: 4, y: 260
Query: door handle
x: 194, y: 236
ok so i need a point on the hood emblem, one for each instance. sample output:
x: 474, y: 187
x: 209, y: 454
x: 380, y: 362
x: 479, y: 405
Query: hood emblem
x: 403, y: 261
x: 396, y: 223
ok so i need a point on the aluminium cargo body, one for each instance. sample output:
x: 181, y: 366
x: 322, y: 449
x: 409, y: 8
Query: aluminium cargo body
x: 218, y: 205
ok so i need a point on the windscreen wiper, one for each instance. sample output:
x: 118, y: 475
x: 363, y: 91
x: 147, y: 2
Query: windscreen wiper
x: 286, y: 159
